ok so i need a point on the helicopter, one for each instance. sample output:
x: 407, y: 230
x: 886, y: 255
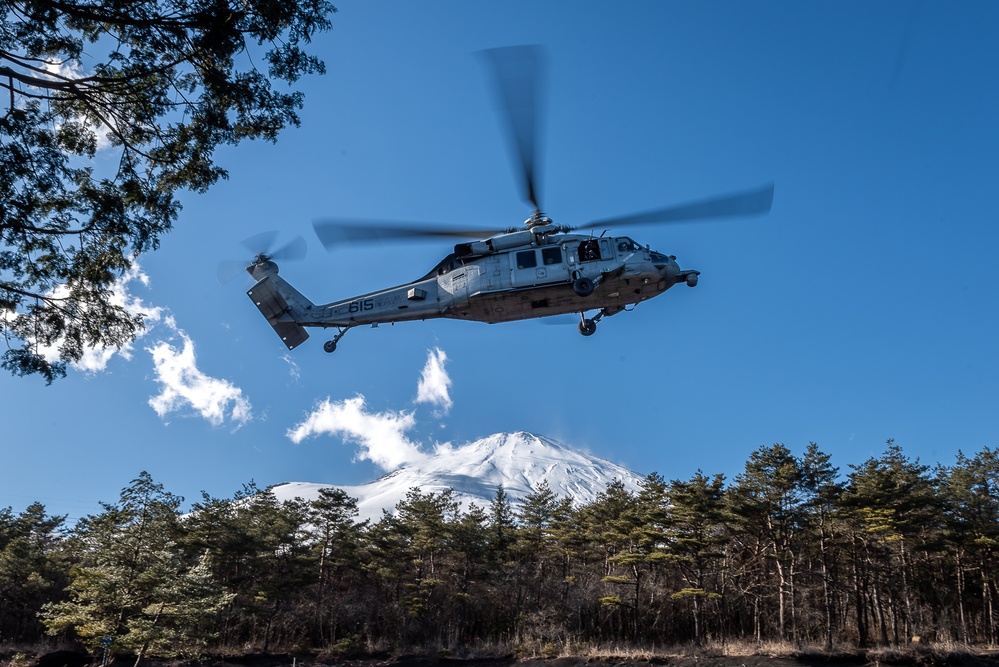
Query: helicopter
x: 539, y: 269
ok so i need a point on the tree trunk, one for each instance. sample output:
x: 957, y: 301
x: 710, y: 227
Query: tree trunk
x: 991, y: 609
x: 141, y: 653
x: 791, y: 603
x: 963, y: 631
x: 858, y: 590
x: 696, y: 604
x: 826, y: 592
x: 879, y: 606
x: 635, y: 634
x: 906, y: 598
x: 781, y: 592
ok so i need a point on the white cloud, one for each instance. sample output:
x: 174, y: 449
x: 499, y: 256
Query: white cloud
x: 176, y: 370
x: 293, y: 369
x: 64, y: 69
x: 185, y: 386
x: 381, y: 435
x: 96, y: 359
x: 435, y: 384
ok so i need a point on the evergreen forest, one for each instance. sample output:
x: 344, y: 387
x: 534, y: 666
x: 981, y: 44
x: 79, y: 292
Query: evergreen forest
x: 791, y: 550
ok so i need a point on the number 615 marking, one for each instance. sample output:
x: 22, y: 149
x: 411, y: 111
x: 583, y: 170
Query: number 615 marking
x: 361, y: 304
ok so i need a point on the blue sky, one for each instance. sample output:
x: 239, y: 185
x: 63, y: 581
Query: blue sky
x: 862, y: 308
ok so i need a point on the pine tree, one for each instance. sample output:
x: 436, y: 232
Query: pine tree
x: 696, y: 539
x: 894, y: 513
x: 611, y: 527
x: 277, y: 567
x: 261, y: 550
x: 338, y: 553
x: 970, y: 492
x: 133, y: 583
x: 163, y: 85
x: 32, y: 569
x: 535, y: 546
x: 823, y: 494
x: 468, y: 571
x: 768, y: 499
x: 502, y: 525
x: 411, y: 554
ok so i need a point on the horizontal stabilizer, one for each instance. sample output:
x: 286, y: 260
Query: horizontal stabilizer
x: 273, y: 306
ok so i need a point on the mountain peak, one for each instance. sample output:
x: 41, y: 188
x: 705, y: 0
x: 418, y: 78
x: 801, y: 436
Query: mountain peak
x: 519, y: 461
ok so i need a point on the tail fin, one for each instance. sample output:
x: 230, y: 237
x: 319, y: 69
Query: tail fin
x: 282, y: 305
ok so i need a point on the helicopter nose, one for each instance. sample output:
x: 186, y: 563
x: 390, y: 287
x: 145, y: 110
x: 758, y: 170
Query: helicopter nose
x: 670, y: 271
x: 673, y: 275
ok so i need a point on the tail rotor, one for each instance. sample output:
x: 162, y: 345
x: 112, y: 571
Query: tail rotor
x: 262, y: 248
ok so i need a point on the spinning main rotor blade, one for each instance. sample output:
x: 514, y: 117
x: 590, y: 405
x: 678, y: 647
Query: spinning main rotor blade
x: 752, y: 202
x: 517, y: 78
x: 333, y: 233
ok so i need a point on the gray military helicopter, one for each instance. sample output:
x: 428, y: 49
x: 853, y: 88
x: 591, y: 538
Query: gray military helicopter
x: 536, y: 270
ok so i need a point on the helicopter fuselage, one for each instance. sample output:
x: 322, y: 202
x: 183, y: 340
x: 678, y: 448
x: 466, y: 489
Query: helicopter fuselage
x: 516, y: 284
x: 512, y: 276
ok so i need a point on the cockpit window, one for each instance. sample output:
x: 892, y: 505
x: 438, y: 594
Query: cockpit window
x: 624, y: 244
x: 527, y: 259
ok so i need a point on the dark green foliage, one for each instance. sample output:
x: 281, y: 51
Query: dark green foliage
x: 891, y: 508
x: 262, y: 553
x: 33, y: 569
x: 695, y: 526
x: 791, y: 551
x: 162, y: 85
x: 970, y: 493
x: 133, y: 584
x: 768, y: 502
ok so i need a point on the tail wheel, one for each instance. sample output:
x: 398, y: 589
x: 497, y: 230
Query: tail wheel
x: 329, y: 346
x: 587, y: 327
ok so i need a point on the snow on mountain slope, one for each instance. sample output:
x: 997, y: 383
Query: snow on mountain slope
x: 519, y: 461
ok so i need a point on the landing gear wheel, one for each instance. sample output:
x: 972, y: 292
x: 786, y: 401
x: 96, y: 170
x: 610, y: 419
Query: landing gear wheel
x: 583, y: 286
x: 587, y: 327
x: 330, y: 345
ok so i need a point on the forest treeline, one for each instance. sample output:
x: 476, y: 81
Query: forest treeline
x: 791, y: 550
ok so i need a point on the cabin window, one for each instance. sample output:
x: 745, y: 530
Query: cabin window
x: 589, y: 251
x: 551, y: 256
x: 526, y: 259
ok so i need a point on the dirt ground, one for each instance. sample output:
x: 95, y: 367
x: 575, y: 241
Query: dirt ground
x: 914, y: 658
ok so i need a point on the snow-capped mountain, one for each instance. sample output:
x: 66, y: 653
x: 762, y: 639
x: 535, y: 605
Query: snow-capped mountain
x: 519, y: 461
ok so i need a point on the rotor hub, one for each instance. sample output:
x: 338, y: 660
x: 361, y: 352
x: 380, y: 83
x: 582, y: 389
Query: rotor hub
x: 537, y: 219
x: 261, y: 266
